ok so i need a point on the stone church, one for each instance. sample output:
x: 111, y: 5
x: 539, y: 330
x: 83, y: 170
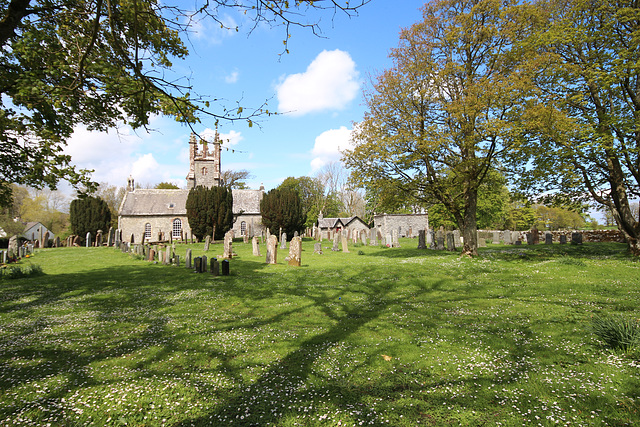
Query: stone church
x: 162, y: 214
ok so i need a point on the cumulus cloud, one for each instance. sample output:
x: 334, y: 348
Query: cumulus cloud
x: 329, y: 145
x: 232, y: 78
x: 227, y: 139
x: 329, y: 83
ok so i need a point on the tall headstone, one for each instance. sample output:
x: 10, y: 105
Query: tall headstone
x: 535, y: 235
x: 335, y: 247
x: 394, y: 239
x: 256, y: 246
x: 530, y: 239
x: 388, y: 241
x: 515, y: 236
x: 440, y: 239
x: 451, y: 245
x: 429, y: 236
x: 363, y: 237
x: 187, y: 259
x: 283, y: 241
x: 563, y: 239
x: 88, y: 239
x: 56, y: 242
x: 152, y: 254
x: 225, y: 267
x: 272, y: 250
x: 373, y: 237
x: 548, y: 238
x: 422, y: 241
x: 215, y: 267
x: 496, y: 238
x: 506, y: 237
x: 245, y: 238
x: 167, y: 258
x: 207, y: 242
x: 345, y: 245
x: 457, y: 240
x: 110, y: 237
x: 228, y: 245
x: 197, y: 264
x: 204, y: 264
x: 295, y: 251
x: 13, y: 246
x: 45, y: 240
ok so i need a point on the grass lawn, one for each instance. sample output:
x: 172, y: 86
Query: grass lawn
x: 376, y: 336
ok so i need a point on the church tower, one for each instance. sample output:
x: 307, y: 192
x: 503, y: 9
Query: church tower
x: 204, y: 165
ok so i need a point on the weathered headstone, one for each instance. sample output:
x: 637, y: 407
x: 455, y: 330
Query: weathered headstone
x: 207, y: 242
x: 56, y: 242
x: 272, y: 250
x: 440, y: 236
x: 363, y: 237
x: 394, y: 239
x: 76, y: 241
x: 535, y: 235
x: 345, y: 245
x: 422, y: 241
x: 99, y: 238
x: 548, y: 238
x: 161, y: 257
x: 197, y: 264
x: 317, y: 248
x: 110, y: 237
x: 506, y: 237
x: 496, y: 238
x: 283, y: 241
x: 87, y: 240
x: 457, y: 240
x: 152, y: 255
x: 225, y: 267
x: 335, y: 247
x: 167, y: 258
x: 451, y: 245
x: 373, y: 237
x: 45, y: 240
x: 187, y: 259
x: 515, y: 236
x: 563, y: 239
x: 295, y: 251
x: 576, y: 238
x: 204, y: 264
x: 256, y: 246
x: 388, y: 241
x: 228, y: 245
x: 215, y: 267
x: 529, y: 238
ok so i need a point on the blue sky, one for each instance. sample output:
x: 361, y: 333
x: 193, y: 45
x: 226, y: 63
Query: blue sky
x: 317, y: 87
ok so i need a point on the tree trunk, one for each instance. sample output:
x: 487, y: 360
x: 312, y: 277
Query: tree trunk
x: 470, y: 225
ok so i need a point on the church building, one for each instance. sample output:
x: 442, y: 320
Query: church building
x: 162, y: 214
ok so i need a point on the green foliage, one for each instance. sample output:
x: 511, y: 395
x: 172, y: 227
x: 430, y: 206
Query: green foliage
x: 236, y: 179
x: 617, y: 332
x: 89, y: 214
x: 20, y: 271
x: 312, y: 197
x: 554, y: 218
x: 208, y: 208
x: 166, y: 186
x: 282, y: 208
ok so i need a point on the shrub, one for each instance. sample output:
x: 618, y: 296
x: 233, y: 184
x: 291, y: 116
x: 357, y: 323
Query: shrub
x: 617, y: 332
x: 18, y: 271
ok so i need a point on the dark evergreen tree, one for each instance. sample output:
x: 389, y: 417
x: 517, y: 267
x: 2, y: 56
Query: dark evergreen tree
x: 282, y: 208
x: 208, y: 208
x: 89, y: 214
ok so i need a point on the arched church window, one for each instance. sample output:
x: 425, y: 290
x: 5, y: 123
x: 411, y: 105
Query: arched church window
x: 243, y: 228
x: 147, y: 231
x: 177, y: 228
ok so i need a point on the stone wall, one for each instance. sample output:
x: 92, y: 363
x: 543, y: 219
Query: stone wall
x: 587, y: 235
x: 135, y: 225
x: 253, y: 223
x: 385, y: 223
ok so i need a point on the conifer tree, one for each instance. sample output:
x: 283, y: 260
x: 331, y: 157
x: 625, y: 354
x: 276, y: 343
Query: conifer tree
x: 208, y: 208
x: 282, y: 208
x: 89, y: 214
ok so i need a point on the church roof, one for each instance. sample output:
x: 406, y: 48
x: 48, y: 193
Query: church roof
x: 247, y: 201
x: 154, y: 202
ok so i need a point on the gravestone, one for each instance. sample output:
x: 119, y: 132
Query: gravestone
x: 99, y: 238
x: 176, y: 260
x: 225, y: 267
x: 548, y: 238
x: 388, y: 241
x: 373, y: 237
x: 167, y: 258
x: 245, y: 238
x: 295, y: 251
x: 76, y: 241
x: 88, y: 239
x: 45, y: 240
x: 576, y: 238
x: 422, y: 241
x: 563, y: 239
x: 440, y: 239
x: 394, y: 238
x: 152, y: 255
x: 215, y: 267
x: 335, y: 247
x: 428, y: 234
x: 207, y: 242
x: 535, y: 235
x: 345, y: 246
x: 197, y: 264
x: 506, y: 237
x: 204, y: 264
x: 272, y: 250
x: 256, y: 246
x: 317, y: 248
x: 529, y: 238
x: 187, y: 259
x: 283, y: 241
x: 162, y: 257
x: 110, y: 237
x: 363, y: 237
x: 228, y: 245
x: 451, y: 245
x: 496, y: 238
x: 56, y: 242
x: 410, y: 233
x: 457, y: 240
x: 515, y: 236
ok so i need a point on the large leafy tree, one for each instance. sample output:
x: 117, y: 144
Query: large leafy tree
x: 89, y: 214
x: 312, y: 196
x: 437, y: 119
x: 209, y: 208
x: 101, y: 62
x: 282, y: 208
x: 236, y: 179
x: 588, y: 116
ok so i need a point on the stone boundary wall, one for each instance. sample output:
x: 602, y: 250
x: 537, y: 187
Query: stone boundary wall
x: 591, y: 236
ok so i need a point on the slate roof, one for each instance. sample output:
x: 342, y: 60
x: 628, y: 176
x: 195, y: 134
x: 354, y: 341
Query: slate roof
x: 149, y: 202
x: 146, y: 202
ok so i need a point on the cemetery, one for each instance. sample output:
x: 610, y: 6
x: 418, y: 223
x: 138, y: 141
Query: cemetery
x: 359, y: 329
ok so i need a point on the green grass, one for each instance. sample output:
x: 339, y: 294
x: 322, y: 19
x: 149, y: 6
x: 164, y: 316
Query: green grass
x: 377, y: 336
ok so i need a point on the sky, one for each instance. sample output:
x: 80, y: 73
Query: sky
x: 316, y: 89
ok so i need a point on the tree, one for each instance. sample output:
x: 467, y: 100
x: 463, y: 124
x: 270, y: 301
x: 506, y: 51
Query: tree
x: 209, y: 209
x: 89, y: 214
x: 166, y: 186
x: 587, y: 118
x: 555, y: 218
x: 312, y: 196
x: 236, y: 179
x: 102, y: 62
x: 438, y: 119
x: 113, y: 195
x: 282, y: 208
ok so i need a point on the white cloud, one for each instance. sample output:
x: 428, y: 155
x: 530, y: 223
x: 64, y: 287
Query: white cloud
x: 227, y: 139
x: 329, y: 83
x: 328, y: 147
x: 232, y: 78
x: 213, y: 32
x: 145, y: 166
